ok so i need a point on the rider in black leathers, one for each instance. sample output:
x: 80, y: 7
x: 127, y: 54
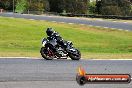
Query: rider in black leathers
x: 53, y: 34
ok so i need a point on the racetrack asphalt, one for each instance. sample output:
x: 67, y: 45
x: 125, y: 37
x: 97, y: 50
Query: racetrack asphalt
x: 40, y: 73
x: 70, y: 20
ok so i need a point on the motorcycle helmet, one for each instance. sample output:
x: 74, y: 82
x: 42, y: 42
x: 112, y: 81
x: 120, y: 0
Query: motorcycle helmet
x: 49, y: 31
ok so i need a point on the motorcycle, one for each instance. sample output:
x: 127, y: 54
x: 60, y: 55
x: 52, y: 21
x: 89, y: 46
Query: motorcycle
x: 52, y: 50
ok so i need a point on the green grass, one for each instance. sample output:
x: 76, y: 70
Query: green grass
x: 21, y: 37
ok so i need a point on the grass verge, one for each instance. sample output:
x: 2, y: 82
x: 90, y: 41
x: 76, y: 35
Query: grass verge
x: 22, y: 37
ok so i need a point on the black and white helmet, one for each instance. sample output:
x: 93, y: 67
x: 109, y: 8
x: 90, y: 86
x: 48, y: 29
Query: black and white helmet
x: 49, y: 31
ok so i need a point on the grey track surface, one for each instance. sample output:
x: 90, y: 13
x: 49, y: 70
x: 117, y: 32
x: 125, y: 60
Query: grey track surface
x: 102, y: 23
x: 39, y: 73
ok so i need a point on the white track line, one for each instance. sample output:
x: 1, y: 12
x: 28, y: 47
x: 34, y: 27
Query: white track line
x: 61, y: 22
x: 82, y: 24
x: 68, y: 58
x: 126, y: 30
x: 110, y: 59
x: 91, y: 25
x: 53, y: 21
x: 120, y: 29
x: 106, y: 27
x: 70, y: 23
x: 100, y: 20
x: 113, y: 28
x: 77, y: 18
x: 20, y: 57
x: 125, y: 22
x: 31, y: 19
x: 114, y: 21
x: 99, y: 26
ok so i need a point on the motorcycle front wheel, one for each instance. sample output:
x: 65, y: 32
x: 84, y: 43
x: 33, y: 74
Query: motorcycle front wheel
x: 46, y: 53
x: 75, y: 56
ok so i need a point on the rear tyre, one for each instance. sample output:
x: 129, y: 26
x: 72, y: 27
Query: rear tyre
x: 44, y: 53
x: 76, y: 56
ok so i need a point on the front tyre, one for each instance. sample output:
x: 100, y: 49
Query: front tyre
x: 75, y: 55
x: 46, y: 54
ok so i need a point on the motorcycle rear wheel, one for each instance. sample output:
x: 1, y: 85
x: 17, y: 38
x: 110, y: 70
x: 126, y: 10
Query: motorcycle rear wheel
x: 44, y: 55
